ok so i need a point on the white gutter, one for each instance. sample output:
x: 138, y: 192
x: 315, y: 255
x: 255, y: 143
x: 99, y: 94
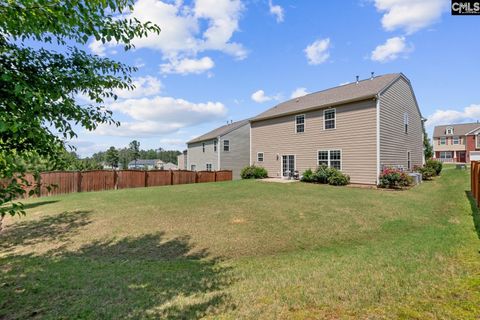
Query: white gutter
x: 250, y: 137
x: 378, y: 139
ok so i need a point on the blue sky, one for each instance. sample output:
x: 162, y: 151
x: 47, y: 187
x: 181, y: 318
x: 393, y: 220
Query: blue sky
x: 219, y: 60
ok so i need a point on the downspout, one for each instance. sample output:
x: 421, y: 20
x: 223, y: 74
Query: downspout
x: 378, y: 138
x: 218, y: 152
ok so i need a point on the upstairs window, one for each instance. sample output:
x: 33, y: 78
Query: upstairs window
x: 449, y: 130
x: 209, y: 167
x: 260, y: 157
x: 405, y: 122
x: 443, y: 141
x: 329, y: 116
x: 226, y: 145
x: 456, y: 140
x: 300, y: 123
x: 215, y: 145
x: 193, y: 167
x: 203, y: 147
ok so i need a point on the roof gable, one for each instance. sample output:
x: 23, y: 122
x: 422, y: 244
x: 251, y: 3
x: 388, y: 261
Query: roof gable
x: 221, y: 131
x: 460, y: 129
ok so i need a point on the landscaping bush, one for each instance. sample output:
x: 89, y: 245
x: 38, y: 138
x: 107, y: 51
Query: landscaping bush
x: 394, y: 178
x: 337, y: 178
x: 254, y: 172
x: 324, y: 175
x: 307, y: 176
x: 435, y: 165
x: 427, y: 172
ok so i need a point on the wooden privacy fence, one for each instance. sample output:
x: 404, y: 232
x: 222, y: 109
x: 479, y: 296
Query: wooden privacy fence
x: 61, y: 182
x: 475, y: 181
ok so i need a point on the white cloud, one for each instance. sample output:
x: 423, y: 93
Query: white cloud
x: 468, y: 114
x: 160, y: 115
x: 391, y: 50
x: 186, y: 66
x: 299, y: 92
x: 260, y: 96
x: 144, y: 87
x: 317, y: 52
x: 188, y: 30
x: 100, y: 49
x: 410, y: 15
x: 277, y: 11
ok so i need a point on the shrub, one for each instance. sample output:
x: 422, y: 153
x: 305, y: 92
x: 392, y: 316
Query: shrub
x: 435, y: 165
x: 324, y: 174
x: 336, y: 178
x: 394, y: 178
x: 427, y: 172
x: 254, y: 172
x: 307, y: 176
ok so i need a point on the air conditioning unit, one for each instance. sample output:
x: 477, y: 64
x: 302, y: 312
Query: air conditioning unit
x: 417, y: 177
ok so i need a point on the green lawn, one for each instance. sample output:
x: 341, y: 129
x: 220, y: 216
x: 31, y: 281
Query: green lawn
x: 246, y: 249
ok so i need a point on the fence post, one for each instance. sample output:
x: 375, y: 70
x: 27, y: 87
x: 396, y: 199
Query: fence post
x: 215, y: 176
x: 79, y: 181
x: 146, y: 178
x: 115, y: 179
x: 171, y: 177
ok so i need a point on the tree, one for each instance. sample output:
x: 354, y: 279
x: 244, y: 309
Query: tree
x: 427, y: 146
x: 39, y: 85
x: 134, y: 148
x: 112, y: 157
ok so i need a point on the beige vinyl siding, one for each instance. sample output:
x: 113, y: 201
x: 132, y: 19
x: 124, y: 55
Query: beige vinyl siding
x: 394, y: 142
x: 239, y: 155
x: 449, y: 146
x: 355, y: 136
x: 199, y: 158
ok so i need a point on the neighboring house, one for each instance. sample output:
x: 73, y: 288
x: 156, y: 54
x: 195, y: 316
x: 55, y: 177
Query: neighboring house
x: 225, y: 148
x: 182, y: 160
x: 358, y: 128
x: 168, y: 166
x: 457, y: 142
x: 145, y: 164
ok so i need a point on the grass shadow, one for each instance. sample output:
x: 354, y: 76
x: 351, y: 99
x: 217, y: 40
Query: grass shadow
x: 59, y: 227
x: 475, y: 212
x: 32, y: 205
x: 135, y: 277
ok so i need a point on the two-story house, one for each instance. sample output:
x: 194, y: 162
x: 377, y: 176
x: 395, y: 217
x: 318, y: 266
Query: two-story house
x: 358, y: 128
x: 457, y: 142
x: 224, y: 148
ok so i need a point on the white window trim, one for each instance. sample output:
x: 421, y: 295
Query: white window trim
x: 304, y: 123
x: 203, y: 147
x: 294, y: 162
x: 215, y: 146
x: 263, y: 156
x: 223, y: 145
x: 206, y: 166
x: 335, y: 119
x: 405, y: 123
x: 333, y: 149
x: 194, y: 165
x: 443, y: 144
x: 457, y: 138
x: 409, y: 160
x: 449, y: 131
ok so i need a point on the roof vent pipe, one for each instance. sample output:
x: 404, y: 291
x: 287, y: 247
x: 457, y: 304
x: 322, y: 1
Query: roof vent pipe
x: 357, y: 79
x: 373, y: 74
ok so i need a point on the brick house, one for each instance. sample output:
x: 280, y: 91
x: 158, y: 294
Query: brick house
x: 457, y: 142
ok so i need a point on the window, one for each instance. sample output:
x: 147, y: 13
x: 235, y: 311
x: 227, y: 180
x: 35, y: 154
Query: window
x: 193, y: 167
x: 203, y: 147
x: 409, y: 161
x: 405, y: 122
x: 323, y: 157
x: 215, y: 145
x: 226, y: 145
x: 449, y: 130
x: 260, y: 157
x: 209, y: 167
x: 329, y: 119
x: 300, y: 123
x: 446, y: 155
x: 443, y: 140
x: 331, y: 158
x: 456, y: 140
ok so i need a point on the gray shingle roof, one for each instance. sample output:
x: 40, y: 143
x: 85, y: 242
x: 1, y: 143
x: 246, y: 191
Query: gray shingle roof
x: 221, y: 131
x: 147, y: 162
x: 334, y: 96
x: 460, y: 129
